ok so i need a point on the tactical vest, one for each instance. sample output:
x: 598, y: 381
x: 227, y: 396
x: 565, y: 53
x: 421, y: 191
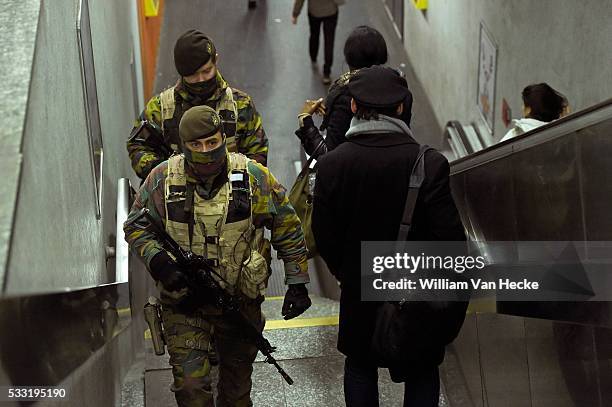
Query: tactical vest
x: 222, y: 227
x: 173, y: 106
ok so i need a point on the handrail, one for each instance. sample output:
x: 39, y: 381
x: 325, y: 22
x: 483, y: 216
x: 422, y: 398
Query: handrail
x: 463, y: 139
x: 121, y: 246
x: 455, y: 140
x: 558, y: 128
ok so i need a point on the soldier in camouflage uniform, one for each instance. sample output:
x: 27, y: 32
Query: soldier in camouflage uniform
x: 155, y: 134
x: 216, y: 204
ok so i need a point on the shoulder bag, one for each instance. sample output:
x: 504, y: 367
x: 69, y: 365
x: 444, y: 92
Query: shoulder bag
x: 406, y: 332
x: 301, y: 197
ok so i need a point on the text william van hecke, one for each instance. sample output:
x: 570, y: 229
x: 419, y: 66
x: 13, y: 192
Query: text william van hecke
x: 448, y: 284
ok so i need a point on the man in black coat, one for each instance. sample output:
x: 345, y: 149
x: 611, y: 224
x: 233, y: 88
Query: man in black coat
x: 360, y: 193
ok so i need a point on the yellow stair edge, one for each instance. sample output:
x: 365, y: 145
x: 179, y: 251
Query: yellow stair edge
x: 291, y: 323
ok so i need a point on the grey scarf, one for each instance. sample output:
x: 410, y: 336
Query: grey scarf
x: 384, y: 124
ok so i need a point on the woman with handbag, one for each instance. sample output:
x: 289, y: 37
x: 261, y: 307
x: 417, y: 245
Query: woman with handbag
x: 364, y: 47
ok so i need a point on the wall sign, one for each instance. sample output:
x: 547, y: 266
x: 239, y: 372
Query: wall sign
x: 420, y: 4
x: 151, y: 8
x: 506, y: 113
x: 487, y: 65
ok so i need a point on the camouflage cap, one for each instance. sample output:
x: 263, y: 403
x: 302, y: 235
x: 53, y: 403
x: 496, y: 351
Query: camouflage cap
x: 199, y: 122
x: 192, y: 50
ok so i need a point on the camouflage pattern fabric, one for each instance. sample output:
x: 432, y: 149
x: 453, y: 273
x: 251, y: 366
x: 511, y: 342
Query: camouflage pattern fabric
x: 188, y: 332
x: 188, y: 338
x: 250, y: 136
x: 270, y: 208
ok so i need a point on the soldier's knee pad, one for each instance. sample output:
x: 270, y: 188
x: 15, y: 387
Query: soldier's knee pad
x: 195, y: 384
x: 194, y: 395
x: 191, y: 371
x: 194, y: 392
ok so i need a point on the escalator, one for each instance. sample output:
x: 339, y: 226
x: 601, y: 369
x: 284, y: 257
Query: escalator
x: 552, y: 184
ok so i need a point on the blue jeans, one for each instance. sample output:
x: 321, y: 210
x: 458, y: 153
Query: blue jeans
x: 421, y: 389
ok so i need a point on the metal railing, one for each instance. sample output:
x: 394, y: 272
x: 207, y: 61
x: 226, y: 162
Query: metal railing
x: 122, y: 254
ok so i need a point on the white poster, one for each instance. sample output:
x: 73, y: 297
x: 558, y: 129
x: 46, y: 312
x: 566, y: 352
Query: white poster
x: 487, y: 61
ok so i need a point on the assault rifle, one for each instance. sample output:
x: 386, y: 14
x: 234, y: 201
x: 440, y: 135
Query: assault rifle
x: 200, y: 274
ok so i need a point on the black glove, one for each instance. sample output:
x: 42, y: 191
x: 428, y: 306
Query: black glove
x: 167, y: 272
x: 296, y: 301
x: 311, y: 138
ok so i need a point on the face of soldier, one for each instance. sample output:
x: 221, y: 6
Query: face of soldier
x: 206, y: 157
x: 204, y: 73
x: 203, y: 82
x: 204, y: 145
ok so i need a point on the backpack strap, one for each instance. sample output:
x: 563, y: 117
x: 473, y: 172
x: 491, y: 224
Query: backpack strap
x: 167, y: 104
x: 417, y: 176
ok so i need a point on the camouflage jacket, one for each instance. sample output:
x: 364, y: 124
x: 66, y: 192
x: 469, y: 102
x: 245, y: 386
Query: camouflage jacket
x: 250, y: 136
x: 270, y: 208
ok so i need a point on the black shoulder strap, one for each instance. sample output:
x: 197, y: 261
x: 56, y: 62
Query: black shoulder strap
x: 306, y: 168
x: 189, y: 210
x: 417, y: 175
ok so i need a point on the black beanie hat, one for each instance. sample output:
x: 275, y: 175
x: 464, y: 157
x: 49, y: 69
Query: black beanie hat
x: 192, y: 50
x: 378, y: 87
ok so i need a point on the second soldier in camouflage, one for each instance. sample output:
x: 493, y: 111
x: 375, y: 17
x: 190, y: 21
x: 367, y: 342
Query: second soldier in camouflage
x: 155, y: 134
x: 216, y: 204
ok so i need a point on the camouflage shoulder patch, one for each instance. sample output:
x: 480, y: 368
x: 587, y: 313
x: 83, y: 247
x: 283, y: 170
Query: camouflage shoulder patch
x: 153, y: 110
x: 259, y: 173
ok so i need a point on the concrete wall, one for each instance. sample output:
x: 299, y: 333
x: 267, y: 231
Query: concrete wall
x: 57, y: 239
x: 18, y: 24
x: 562, y: 42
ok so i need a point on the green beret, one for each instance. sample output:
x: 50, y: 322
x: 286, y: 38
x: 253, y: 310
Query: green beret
x: 192, y: 50
x: 199, y: 122
x: 378, y: 87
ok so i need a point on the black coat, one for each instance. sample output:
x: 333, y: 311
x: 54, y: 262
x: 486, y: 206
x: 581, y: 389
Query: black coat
x: 360, y: 194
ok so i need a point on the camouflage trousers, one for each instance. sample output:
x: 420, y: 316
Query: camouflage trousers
x: 188, y: 337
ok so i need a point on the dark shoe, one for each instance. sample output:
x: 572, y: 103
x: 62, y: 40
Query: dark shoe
x: 252, y: 4
x: 326, y: 80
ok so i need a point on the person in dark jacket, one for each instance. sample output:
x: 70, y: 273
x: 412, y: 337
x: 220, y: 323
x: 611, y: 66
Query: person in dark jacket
x: 360, y: 193
x: 364, y: 47
x: 320, y: 13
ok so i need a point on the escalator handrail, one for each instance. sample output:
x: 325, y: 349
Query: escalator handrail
x: 558, y: 128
